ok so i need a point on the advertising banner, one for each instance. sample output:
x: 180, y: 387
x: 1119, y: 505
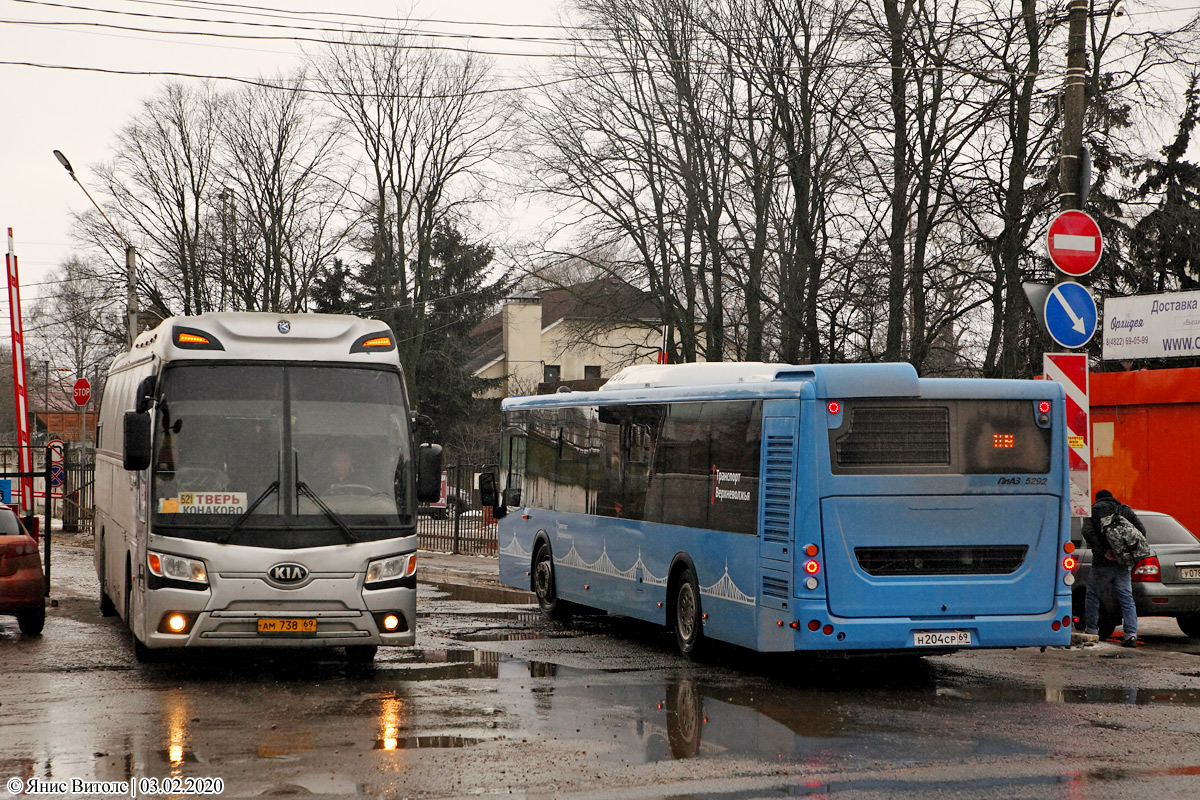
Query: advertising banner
x: 1152, y: 326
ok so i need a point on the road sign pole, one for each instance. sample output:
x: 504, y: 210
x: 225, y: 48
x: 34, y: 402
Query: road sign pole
x: 1071, y: 370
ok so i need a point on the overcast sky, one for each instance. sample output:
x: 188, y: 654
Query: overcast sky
x: 77, y: 112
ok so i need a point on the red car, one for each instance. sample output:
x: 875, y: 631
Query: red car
x: 22, y: 582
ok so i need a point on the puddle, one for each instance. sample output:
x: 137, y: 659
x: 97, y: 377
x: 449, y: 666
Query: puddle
x: 484, y: 594
x: 419, y: 742
x: 499, y: 636
x: 1045, y: 694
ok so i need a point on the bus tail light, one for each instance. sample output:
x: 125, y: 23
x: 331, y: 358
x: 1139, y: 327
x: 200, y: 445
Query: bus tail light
x: 1069, y: 563
x: 1147, y: 571
x: 812, y: 567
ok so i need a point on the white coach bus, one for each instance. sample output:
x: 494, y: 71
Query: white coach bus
x: 256, y: 484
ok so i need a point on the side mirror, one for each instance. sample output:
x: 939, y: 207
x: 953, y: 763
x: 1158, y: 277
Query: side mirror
x: 429, y: 473
x: 512, y: 497
x: 145, y: 394
x: 488, y: 495
x: 137, y: 440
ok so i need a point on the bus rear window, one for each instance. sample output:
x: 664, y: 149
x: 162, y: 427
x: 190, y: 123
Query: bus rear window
x: 967, y: 437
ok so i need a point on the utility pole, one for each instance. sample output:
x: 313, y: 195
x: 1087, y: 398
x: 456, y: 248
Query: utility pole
x: 1074, y: 105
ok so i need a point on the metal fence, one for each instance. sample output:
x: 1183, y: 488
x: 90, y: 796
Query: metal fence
x: 461, y: 525
x: 78, y: 494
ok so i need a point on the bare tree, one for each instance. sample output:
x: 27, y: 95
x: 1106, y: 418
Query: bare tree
x: 157, y: 186
x: 429, y: 128
x: 279, y: 158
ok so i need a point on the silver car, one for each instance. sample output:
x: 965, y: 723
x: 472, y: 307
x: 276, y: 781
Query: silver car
x: 1165, y: 585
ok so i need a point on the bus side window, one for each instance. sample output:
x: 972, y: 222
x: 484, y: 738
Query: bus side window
x: 513, y: 465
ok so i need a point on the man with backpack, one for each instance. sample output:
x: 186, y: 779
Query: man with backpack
x: 1109, y: 572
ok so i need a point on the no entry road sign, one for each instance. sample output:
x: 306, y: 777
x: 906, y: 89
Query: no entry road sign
x: 1074, y: 243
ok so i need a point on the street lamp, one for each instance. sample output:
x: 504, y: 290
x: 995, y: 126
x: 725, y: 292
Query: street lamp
x: 131, y: 306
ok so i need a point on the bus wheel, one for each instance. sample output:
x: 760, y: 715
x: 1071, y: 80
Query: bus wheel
x: 689, y: 624
x: 543, y: 585
x: 360, y: 653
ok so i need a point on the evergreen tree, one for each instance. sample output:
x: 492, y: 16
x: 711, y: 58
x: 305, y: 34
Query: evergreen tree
x: 1166, y: 242
x: 461, y: 297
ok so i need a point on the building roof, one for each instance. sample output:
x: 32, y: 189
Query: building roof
x: 610, y: 299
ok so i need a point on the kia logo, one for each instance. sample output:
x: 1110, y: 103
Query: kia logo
x: 288, y: 573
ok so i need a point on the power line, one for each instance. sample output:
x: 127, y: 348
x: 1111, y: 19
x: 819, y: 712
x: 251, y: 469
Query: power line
x: 385, y: 29
x: 283, y: 85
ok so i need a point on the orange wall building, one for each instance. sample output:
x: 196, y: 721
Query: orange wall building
x: 1146, y: 439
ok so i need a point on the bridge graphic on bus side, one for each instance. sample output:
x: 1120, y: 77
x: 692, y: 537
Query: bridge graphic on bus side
x: 724, y: 589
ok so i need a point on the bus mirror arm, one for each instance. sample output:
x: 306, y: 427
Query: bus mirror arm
x: 137, y: 441
x: 145, y: 394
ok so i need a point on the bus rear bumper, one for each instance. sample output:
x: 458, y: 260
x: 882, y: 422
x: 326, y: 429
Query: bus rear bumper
x: 1052, y: 629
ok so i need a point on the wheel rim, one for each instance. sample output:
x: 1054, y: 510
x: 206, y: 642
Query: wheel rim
x: 543, y: 580
x: 685, y: 612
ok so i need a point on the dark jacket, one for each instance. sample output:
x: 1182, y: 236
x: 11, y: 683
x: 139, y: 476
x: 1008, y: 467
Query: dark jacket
x: 1091, y: 527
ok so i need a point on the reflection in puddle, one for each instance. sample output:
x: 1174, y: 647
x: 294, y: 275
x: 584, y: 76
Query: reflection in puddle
x: 484, y: 594
x: 498, y: 635
x: 416, y: 742
x: 389, y: 723
x: 177, y: 731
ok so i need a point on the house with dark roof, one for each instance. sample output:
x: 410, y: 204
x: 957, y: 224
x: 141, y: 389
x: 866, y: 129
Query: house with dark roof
x: 579, y: 335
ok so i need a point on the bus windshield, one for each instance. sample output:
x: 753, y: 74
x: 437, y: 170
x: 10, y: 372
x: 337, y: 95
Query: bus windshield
x: 281, y: 454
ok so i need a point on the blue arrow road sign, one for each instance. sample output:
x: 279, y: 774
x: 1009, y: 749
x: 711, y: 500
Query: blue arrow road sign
x: 1070, y: 314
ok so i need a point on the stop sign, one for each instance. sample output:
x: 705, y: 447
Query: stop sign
x: 83, y: 392
x: 1074, y: 243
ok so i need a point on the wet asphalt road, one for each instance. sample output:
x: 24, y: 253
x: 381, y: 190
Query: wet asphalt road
x: 495, y: 701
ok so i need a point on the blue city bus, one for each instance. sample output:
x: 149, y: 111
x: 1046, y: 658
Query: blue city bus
x: 835, y: 507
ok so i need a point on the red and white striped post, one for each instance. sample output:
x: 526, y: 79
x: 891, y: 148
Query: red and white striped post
x: 1071, y: 370
x: 25, y: 454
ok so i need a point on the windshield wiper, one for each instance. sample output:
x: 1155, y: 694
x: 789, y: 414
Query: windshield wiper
x: 237, y: 523
x: 303, y: 488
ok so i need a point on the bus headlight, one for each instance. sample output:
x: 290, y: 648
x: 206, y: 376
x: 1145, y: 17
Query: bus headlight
x: 176, y: 568
x: 391, y: 568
